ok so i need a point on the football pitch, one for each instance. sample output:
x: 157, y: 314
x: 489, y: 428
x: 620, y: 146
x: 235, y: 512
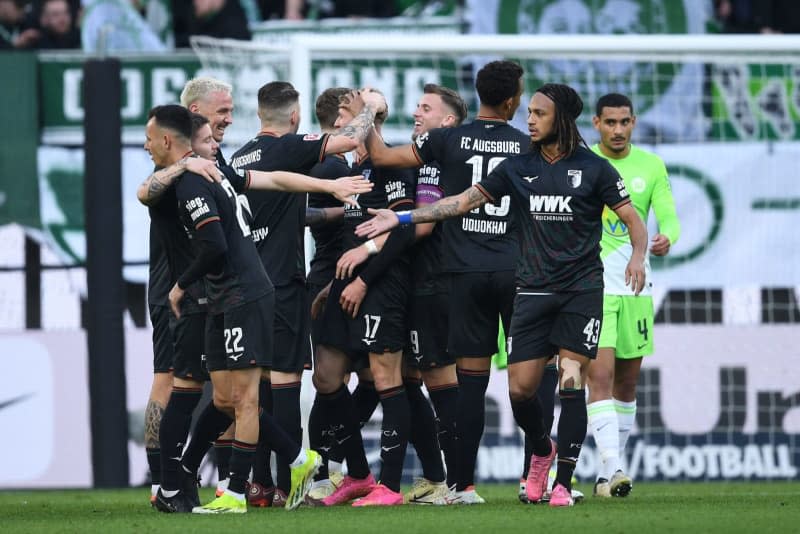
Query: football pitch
x: 682, y: 508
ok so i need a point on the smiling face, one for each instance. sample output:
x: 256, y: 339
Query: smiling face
x: 541, y: 119
x: 217, y: 107
x: 431, y: 113
x: 615, y: 126
x: 204, y: 144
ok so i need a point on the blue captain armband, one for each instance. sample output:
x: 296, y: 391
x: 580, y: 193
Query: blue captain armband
x: 404, y: 217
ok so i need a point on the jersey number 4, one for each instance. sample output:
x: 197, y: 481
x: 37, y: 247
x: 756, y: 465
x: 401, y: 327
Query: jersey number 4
x: 478, y: 173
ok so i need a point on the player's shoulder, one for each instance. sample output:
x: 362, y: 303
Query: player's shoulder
x: 646, y: 156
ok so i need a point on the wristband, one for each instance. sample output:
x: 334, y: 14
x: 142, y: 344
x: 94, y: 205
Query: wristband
x: 404, y: 217
x: 372, y: 248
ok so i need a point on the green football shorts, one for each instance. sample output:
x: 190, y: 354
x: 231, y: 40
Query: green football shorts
x: 627, y: 325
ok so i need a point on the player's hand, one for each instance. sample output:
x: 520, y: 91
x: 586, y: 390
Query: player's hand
x: 27, y: 38
x: 346, y: 187
x: 205, y: 168
x: 634, y: 275
x: 175, y: 298
x: 383, y: 221
x: 352, y: 296
x: 660, y: 246
x: 350, y: 260
x: 352, y: 102
x: 374, y: 100
x: 318, y: 304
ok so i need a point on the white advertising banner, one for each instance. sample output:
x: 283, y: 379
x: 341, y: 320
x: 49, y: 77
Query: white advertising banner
x: 717, y: 402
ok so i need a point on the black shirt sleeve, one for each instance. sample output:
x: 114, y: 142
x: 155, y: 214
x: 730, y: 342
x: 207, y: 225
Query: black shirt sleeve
x: 498, y: 183
x: 429, y: 146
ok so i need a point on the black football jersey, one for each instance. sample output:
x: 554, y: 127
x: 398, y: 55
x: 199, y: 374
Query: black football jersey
x: 481, y: 240
x: 243, y: 278
x: 171, y: 253
x: 427, y: 253
x: 279, y: 217
x: 393, y: 189
x: 557, y: 209
x: 328, y: 236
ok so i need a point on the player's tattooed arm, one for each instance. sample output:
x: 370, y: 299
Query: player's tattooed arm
x: 450, y: 206
x: 154, y: 186
x: 453, y: 206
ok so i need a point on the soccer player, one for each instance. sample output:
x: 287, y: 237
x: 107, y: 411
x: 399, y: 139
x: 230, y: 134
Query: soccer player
x: 426, y: 357
x: 367, y: 323
x: 163, y: 147
x: 167, y: 235
x: 328, y: 248
x: 278, y: 231
x: 240, y: 302
x: 557, y: 193
x: 478, y: 251
x: 212, y: 99
x: 627, y: 332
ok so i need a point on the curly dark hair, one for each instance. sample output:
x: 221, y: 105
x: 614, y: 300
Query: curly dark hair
x: 498, y: 81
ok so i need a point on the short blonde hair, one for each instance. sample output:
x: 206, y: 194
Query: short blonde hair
x: 199, y: 88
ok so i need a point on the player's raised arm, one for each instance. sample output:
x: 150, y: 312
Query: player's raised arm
x: 348, y: 137
x: 446, y: 208
x: 342, y: 188
x: 634, y: 272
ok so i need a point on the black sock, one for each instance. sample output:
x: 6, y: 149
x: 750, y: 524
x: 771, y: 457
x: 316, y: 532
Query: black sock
x: 547, y: 396
x: 242, y: 455
x: 470, y: 420
x: 320, y: 436
x: 445, y: 402
x: 286, y: 406
x: 154, y: 463
x: 348, y: 434
x: 365, y: 399
x: 210, y: 425
x: 423, y: 432
x: 276, y: 437
x: 175, y: 424
x: 222, y: 454
x: 528, y: 415
x: 394, y: 435
x: 262, y: 473
x: 546, y: 393
x: 571, y: 433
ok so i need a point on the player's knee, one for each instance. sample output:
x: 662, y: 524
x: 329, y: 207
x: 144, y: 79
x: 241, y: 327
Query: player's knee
x: 570, y: 375
x: 325, y: 383
x: 223, y: 403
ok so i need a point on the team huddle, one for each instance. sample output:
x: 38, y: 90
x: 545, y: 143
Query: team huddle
x: 422, y: 252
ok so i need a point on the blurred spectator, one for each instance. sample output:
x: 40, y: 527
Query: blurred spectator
x: 281, y: 9
x: 56, y: 26
x: 215, y: 18
x: 16, y: 25
x: 734, y: 16
x: 777, y: 16
x: 355, y: 8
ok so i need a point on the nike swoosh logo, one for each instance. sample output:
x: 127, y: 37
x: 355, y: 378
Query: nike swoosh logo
x: 340, y: 441
x: 16, y: 400
x: 387, y: 449
x: 640, y: 347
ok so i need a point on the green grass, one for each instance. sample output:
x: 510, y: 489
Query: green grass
x: 651, y: 508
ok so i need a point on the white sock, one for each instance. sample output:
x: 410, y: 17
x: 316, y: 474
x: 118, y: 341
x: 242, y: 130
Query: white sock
x: 300, y: 460
x: 169, y: 493
x: 626, y: 417
x: 334, y: 467
x: 237, y: 496
x: 154, y: 489
x: 223, y: 484
x: 605, y: 429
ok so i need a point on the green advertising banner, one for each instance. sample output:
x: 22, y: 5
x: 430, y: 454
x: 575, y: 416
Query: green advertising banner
x: 19, y: 191
x: 147, y: 81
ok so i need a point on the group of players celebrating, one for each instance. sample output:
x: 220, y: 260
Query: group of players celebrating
x: 393, y: 295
